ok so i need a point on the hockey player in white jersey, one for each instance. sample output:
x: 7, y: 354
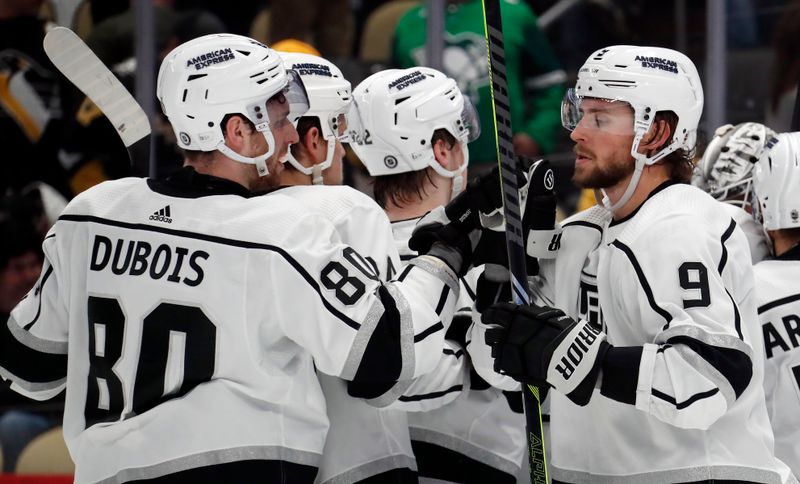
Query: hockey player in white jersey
x: 665, y: 385
x: 186, y: 317
x: 726, y: 173
x: 364, y: 443
x: 776, y: 183
x: 413, y: 139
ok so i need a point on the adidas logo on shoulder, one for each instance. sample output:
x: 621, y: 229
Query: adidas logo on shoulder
x: 162, y: 215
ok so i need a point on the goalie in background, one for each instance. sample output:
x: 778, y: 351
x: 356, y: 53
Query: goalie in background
x: 653, y: 346
x: 726, y: 173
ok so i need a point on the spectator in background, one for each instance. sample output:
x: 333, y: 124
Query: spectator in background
x: 21, y: 257
x: 535, y: 77
x: 30, y: 100
x: 785, y: 69
x: 327, y: 24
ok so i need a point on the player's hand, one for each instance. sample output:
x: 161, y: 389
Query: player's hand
x: 542, y: 236
x: 542, y: 345
x: 452, y: 241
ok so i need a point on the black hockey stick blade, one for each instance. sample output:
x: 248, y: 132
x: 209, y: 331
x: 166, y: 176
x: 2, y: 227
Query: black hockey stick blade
x: 515, y: 244
x: 73, y: 58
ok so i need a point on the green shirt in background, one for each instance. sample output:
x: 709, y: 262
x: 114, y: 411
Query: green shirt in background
x: 535, y: 78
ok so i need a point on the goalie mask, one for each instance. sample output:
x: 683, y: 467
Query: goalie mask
x: 645, y: 80
x: 726, y: 169
x: 329, y: 101
x: 776, y: 178
x: 398, y: 112
x: 207, y: 78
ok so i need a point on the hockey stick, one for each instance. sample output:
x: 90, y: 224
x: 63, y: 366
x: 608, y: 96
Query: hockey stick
x: 795, y: 126
x: 515, y: 245
x: 81, y: 66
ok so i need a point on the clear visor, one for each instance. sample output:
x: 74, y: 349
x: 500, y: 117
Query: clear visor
x: 470, y: 123
x: 295, y: 93
x: 356, y: 132
x: 608, y: 115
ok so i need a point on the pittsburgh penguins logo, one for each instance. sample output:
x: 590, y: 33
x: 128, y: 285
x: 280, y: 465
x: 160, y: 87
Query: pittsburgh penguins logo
x: 390, y: 162
x: 185, y: 139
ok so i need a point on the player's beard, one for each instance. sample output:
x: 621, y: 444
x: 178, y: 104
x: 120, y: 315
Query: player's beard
x: 596, y: 175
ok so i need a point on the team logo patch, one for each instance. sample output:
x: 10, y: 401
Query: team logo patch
x: 549, y: 180
x: 658, y: 63
x: 185, y: 139
x: 795, y: 215
x: 390, y: 161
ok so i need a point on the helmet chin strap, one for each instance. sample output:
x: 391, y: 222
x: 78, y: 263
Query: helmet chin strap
x: 457, y: 185
x: 315, y: 171
x: 259, y: 161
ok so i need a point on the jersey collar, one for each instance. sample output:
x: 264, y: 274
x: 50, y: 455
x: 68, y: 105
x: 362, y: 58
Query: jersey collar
x: 188, y: 183
x: 657, y: 189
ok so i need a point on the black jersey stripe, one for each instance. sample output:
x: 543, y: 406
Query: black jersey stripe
x: 458, y: 354
x: 643, y: 282
x: 734, y: 365
x: 442, y: 300
x: 49, y: 237
x: 725, y: 236
x: 429, y: 331
x: 681, y: 405
x: 737, y: 319
x: 778, y: 302
x: 243, y: 244
x: 407, y: 257
x: 583, y: 223
x: 38, y: 292
x: 28, y: 364
x: 431, y: 395
x: 470, y: 291
x: 405, y: 272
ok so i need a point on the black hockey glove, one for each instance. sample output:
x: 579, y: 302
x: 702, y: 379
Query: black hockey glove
x: 452, y: 232
x: 539, y: 215
x: 542, y: 345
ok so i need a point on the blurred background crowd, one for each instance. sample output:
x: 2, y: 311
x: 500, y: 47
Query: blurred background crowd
x: 57, y: 143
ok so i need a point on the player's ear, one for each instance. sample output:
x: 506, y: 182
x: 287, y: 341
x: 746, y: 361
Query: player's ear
x: 657, y: 136
x: 441, y: 151
x: 314, y: 144
x: 235, y: 131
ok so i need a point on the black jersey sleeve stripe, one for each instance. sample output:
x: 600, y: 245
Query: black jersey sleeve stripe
x: 222, y: 241
x: 382, y: 361
x: 681, y: 405
x: 643, y: 282
x: 725, y: 236
x: 405, y: 272
x: 442, y: 300
x: 38, y: 292
x: 29, y: 364
x: 778, y: 302
x: 407, y: 257
x: 429, y: 331
x: 457, y: 354
x: 49, y: 237
x: 468, y: 289
x: 737, y: 318
x: 621, y: 373
x: 431, y: 395
x: 735, y: 366
x: 583, y: 223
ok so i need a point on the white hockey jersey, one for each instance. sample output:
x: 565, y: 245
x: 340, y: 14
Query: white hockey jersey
x: 759, y: 250
x: 778, y: 297
x: 479, y: 424
x: 363, y: 440
x: 682, y: 400
x: 186, y: 320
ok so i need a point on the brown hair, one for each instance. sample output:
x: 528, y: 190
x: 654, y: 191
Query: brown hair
x: 680, y: 162
x: 409, y: 187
